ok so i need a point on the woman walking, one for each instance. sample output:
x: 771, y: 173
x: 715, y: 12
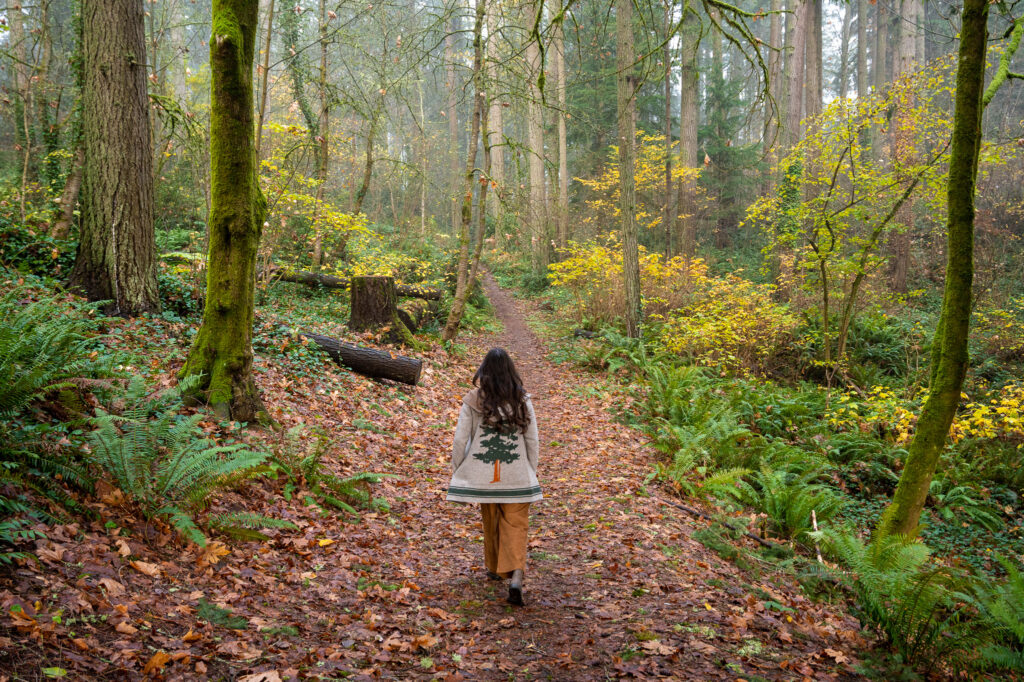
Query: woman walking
x: 494, y: 462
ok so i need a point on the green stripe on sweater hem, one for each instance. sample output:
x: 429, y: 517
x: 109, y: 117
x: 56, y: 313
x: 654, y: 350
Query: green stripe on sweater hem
x: 517, y: 492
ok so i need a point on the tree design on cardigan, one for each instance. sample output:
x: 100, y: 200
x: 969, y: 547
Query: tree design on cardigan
x: 498, y: 447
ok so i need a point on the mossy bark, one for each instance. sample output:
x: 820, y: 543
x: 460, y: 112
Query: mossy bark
x: 222, y: 352
x: 949, y: 354
x: 116, y: 258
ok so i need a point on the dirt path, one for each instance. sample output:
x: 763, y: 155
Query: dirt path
x: 615, y: 585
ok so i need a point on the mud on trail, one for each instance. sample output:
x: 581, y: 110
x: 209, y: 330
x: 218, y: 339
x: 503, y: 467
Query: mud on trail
x: 616, y: 586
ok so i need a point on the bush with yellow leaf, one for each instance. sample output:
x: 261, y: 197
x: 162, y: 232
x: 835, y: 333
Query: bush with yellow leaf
x: 714, y: 321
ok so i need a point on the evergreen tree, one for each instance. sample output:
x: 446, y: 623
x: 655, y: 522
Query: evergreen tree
x: 499, y: 447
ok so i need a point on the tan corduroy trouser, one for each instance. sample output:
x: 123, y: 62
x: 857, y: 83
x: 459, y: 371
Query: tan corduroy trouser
x: 505, y: 526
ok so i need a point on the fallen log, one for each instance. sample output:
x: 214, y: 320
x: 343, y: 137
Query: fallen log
x: 312, y: 279
x: 414, y: 313
x: 370, y: 362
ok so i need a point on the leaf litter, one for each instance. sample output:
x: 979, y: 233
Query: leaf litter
x: 616, y: 586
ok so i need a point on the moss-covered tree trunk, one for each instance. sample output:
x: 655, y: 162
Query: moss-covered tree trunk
x: 949, y: 354
x: 116, y: 258
x: 222, y: 352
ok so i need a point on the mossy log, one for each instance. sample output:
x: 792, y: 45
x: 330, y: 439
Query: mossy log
x: 314, y: 279
x: 370, y: 362
x: 414, y: 313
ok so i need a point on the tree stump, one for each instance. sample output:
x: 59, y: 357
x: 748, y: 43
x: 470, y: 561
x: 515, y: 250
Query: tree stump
x: 375, y: 308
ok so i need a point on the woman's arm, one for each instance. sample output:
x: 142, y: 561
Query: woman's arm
x: 531, y: 437
x: 463, y: 433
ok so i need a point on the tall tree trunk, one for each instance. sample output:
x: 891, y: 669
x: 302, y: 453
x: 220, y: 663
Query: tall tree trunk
x: 23, y: 100
x: 844, y: 53
x: 667, y: 208
x: 264, y: 77
x: 879, y: 66
x: 949, y: 351
x: 689, y: 101
x: 61, y: 227
x: 296, y: 64
x: 453, y: 125
x: 451, y: 327
x: 116, y: 258
x: 902, y: 149
x: 222, y: 351
x: 495, y: 127
x: 724, y: 223
x: 794, y: 107
x: 625, y: 109
x: 537, y: 208
x: 563, y: 145
x: 862, y: 48
x: 813, y: 60
x: 323, y: 127
x: 364, y: 184
x: 775, y: 57
x: 424, y: 163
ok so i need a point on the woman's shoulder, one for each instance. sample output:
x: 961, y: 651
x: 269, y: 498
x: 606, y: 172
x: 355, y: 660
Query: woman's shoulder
x: 472, y: 399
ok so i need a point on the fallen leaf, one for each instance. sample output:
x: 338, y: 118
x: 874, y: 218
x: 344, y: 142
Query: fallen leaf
x: 656, y: 647
x: 425, y: 641
x: 213, y: 553
x: 267, y: 676
x: 839, y: 656
x: 126, y: 628
x: 114, y: 588
x: 152, y: 570
x: 156, y: 663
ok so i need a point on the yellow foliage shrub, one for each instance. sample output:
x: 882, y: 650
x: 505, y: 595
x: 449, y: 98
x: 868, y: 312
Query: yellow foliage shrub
x: 1001, y: 418
x: 726, y: 322
x: 730, y: 323
x: 592, y: 273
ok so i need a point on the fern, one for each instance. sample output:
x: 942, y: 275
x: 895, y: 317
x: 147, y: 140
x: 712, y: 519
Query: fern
x: 160, y: 459
x: 42, y: 346
x: 787, y: 498
x: 1000, y: 607
x: 15, y: 526
x: 908, y: 598
x: 342, y: 493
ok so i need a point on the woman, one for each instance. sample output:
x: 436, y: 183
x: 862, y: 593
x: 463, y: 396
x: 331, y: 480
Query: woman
x: 494, y: 462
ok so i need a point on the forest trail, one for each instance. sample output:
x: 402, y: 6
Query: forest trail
x: 615, y: 586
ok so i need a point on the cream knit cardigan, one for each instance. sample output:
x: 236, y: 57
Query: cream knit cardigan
x: 489, y: 466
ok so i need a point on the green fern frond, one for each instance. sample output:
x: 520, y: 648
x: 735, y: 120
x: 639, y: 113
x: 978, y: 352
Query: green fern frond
x: 161, y: 459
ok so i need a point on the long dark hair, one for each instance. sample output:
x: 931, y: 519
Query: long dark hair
x: 502, y: 396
